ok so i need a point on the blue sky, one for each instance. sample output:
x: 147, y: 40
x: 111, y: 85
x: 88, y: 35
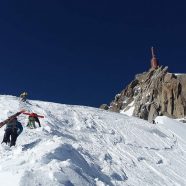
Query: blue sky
x: 84, y: 52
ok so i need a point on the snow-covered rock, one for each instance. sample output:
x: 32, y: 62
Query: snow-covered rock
x: 154, y: 93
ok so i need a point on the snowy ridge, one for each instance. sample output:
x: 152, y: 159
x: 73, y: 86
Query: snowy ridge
x: 79, y: 145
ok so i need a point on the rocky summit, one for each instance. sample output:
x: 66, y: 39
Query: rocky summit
x: 153, y: 93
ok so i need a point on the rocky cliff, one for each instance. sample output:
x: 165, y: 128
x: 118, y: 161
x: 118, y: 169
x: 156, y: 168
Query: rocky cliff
x: 152, y: 93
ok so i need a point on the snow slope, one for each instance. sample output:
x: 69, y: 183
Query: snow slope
x: 79, y: 145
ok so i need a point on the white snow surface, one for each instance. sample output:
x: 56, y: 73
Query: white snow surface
x: 129, y: 111
x: 79, y: 145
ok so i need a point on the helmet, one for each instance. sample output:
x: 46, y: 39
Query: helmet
x: 25, y: 93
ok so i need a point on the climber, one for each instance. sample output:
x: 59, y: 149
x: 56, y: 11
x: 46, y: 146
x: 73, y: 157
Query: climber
x: 33, y: 117
x: 13, y: 129
x: 23, y: 96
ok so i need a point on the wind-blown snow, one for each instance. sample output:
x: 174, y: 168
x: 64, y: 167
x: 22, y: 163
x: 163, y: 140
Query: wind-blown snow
x: 79, y: 145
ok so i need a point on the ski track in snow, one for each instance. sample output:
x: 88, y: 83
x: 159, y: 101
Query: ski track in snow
x: 79, y: 145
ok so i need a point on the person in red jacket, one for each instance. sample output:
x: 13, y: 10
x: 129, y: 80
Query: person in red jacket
x: 33, y: 117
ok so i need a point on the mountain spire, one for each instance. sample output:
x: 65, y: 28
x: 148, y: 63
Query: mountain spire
x: 154, y: 60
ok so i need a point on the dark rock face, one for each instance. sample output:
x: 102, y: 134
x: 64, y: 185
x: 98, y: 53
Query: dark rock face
x: 153, y: 93
x: 104, y: 107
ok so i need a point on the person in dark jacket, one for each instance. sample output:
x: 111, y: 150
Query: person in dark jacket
x: 23, y: 96
x: 12, y: 131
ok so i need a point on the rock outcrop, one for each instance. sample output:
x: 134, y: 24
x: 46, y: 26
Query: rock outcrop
x: 153, y: 93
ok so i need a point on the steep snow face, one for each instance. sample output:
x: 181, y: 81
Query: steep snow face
x: 79, y: 145
x: 129, y: 111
